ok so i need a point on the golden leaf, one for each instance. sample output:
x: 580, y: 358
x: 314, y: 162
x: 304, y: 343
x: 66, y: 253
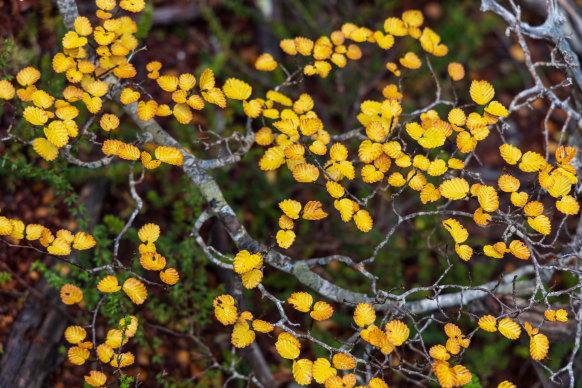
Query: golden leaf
x: 237, y: 89
x: 439, y: 352
x: 301, y: 301
x: 481, y: 92
x: 397, y: 332
x: 343, y: 361
x: 456, y: 188
x: 364, y: 314
x: 266, y: 62
x: 488, y: 323
x: 287, y: 346
x: 225, y: 309
x: 540, y: 224
x: 71, y: 294
x: 539, y: 346
x: 136, y: 290
x: 109, y: 284
x: 322, y: 370
x: 321, y: 311
x: 242, y: 335
x: 302, y: 371
x: 252, y: 278
x: 509, y: 328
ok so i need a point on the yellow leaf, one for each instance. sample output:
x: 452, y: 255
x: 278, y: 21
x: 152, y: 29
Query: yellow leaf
x: 376, y: 382
x: 321, y: 311
x: 395, y: 26
x: 285, y: 238
x: 225, y: 309
x: 444, y: 373
x: 71, y: 294
x: 245, y: 261
x: 481, y: 92
x: 207, y: 79
x: 252, y: 278
x: 519, y: 250
x: 168, y: 83
x: 262, y: 326
x: 488, y: 323
x: 6, y: 90
x: 312, y: 211
x: 495, y: 108
x: 301, y: 301
x: 562, y: 315
x: 287, y: 346
x: 83, y: 241
x: 237, y: 89
x: 540, y: 224
x: 568, y: 205
x: 456, y: 71
x: 152, y: 261
x: 509, y: 328
x: 303, y: 45
x: 302, y: 371
x: 462, y: 375
x: 343, y: 361
x: 214, y: 96
x: 303, y: 104
x: 147, y: 110
x: 96, y: 378
x: 169, y: 276
x: 181, y: 112
x: 488, y: 198
x: 305, y: 172
x: 457, y: 231
x: 531, y: 162
x: 456, y: 188
x: 539, y: 346
x: 78, y: 355
x: 439, y: 352
x: 410, y: 60
x: 364, y: 314
x: 397, y: 332
x: 322, y: 370
x: 242, y: 335
x: 266, y: 62
x: 464, y: 251
x: 149, y: 233
x: 169, y: 155
x: 136, y: 290
x: 109, y: 284
x: 75, y: 334
x: 363, y: 220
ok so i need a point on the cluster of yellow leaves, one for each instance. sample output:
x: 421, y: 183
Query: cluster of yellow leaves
x: 150, y: 260
x: 557, y: 180
x: 336, y: 49
x: 106, y: 351
x: 184, y: 95
x: 294, y: 210
x: 302, y: 301
x: 395, y: 332
x: 127, y: 151
x: 560, y: 315
x: 249, y: 265
x: 447, y: 375
x: 59, y: 244
x: 243, y: 333
x: 497, y: 250
x: 539, y: 344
